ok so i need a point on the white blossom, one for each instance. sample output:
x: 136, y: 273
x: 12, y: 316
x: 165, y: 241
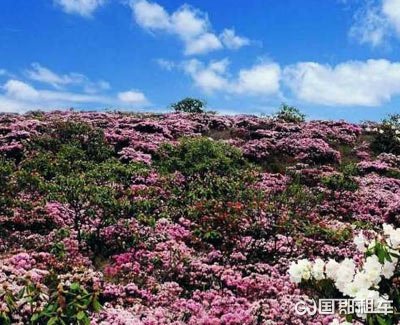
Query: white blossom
x: 318, y: 269
x: 373, y: 269
x: 331, y: 269
x: 360, y: 243
x: 300, y: 270
x: 393, y: 235
x: 388, y: 268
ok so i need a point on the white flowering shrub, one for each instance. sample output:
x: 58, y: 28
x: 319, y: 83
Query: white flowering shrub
x: 374, y: 278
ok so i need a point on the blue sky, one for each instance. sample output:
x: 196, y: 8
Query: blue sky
x: 331, y: 58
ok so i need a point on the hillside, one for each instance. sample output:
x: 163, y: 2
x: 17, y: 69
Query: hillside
x: 115, y: 218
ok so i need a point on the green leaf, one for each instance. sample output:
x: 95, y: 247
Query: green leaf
x: 80, y: 315
x: 35, y: 317
x: 21, y: 293
x: 96, y: 305
x: 75, y: 286
x: 52, y: 320
x: 382, y: 321
x: 86, y: 320
x: 349, y: 318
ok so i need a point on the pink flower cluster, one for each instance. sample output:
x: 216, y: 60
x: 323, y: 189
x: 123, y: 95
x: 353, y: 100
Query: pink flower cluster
x: 161, y: 271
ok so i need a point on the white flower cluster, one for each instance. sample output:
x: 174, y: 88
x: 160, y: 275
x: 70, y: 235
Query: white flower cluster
x: 392, y: 235
x: 305, y: 270
x: 358, y: 283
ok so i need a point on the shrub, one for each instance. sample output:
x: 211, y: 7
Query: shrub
x: 340, y: 183
x: 374, y: 277
x: 6, y: 170
x: 189, y: 105
x: 387, y: 138
x: 290, y: 114
x: 64, y: 304
x: 76, y: 134
x: 199, y: 156
x: 217, y: 205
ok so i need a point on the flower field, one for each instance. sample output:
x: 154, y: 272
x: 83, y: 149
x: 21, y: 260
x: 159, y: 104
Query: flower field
x: 116, y: 218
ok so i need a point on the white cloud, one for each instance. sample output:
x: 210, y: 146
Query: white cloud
x: 208, y: 78
x: 12, y: 106
x: 17, y: 95
x: 190, y: 25
x: 150, y: 15
x: 203, y: 44
x: 262, y: 79
x: 83, y: 8
x: 391, y: 9
x: 165, y: 64
x: 91, y: 87
x: 19, y: 90
x: 351, y: 83
x: 376, y: 22
x: 233, y: 41
x: 45, y: 75
x: 370, y: 27
x: 189, y: 22
x: 133, y: 97
x: 42, y: 74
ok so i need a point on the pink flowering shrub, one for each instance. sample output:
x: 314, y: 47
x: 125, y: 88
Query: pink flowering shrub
x: 117, y: 218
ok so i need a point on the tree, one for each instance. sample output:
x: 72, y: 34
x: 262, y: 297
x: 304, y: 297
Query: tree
x: 189, y: 105
x: 290, y: 114
x: 387, y: 136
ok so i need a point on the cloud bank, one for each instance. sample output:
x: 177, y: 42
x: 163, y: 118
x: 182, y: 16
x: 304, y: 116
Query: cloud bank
x: 189, y: 24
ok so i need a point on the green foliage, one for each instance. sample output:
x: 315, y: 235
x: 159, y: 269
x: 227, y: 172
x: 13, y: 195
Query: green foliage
x: 62, y: 305
x: 74, y: 165
x: 299, y: 201
x: 58, y: 248
x: 290, y: 114
x: 347, y: 155
x: 216, y: 203
x: 77, y: 135
x: 331, y: 236
x: 341, y: 182
x: 6, y: 186
x: 6, y: 296
x: 68, y: 305
x: 387, y: 138
x: 189, y: 105
x: 114, y: 171
x: 199, y: 156
x: 88, y: 199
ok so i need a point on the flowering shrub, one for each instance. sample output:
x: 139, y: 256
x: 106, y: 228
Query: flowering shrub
x: 373, y: 277
x: 189, y: 218
x: 201, y: 156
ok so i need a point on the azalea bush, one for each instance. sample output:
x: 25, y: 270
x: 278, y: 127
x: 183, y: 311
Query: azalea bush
x: 125, y: 218
x: 374, y: 277
x: 200, y: 156
x: 59, y: 303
